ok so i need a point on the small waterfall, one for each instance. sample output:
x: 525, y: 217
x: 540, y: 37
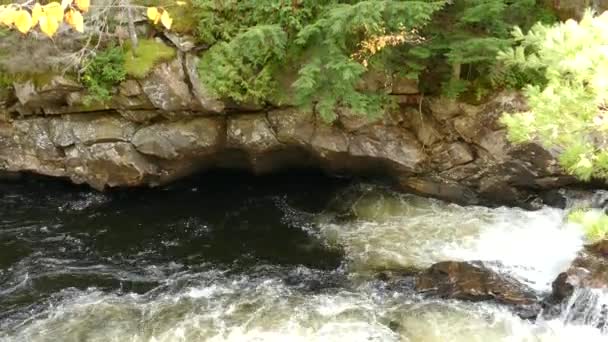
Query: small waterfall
x: 587, y: 307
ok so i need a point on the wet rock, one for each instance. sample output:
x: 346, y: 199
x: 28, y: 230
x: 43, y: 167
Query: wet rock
x: 588, y: 271
x: 449, y: 191
x: 475, y: 282
x: 111, y: 164
x: 562, y: 287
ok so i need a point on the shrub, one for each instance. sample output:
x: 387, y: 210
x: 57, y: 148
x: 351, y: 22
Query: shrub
x: 103, y: 72
x: 594, y: 222
x: 569, y: 109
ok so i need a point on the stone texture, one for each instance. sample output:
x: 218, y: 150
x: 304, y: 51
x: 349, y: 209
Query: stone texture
x: 166, y: 87
x: 167, y: 126
x: 251, y: 133
x: 389, y: 144
x: 88, y: 129
x: 202, y: 96
x: 173, y: 140
x: 108, y: 164
x: 33, y: 95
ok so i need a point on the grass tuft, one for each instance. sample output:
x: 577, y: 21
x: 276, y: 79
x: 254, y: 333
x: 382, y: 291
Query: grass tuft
x: 149, y: 53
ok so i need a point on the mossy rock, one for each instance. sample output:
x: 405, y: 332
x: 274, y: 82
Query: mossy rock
x: 149, y: 53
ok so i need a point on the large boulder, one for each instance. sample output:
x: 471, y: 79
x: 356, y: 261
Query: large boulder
x: 110, y: 164
x: 474, y: 282
x: 167, y: 87
x: 588, y: 270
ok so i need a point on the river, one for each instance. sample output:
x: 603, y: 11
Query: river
x: 292, y: 257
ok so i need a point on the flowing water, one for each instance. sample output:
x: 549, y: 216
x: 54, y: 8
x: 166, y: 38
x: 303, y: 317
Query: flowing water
x: 281, y: 258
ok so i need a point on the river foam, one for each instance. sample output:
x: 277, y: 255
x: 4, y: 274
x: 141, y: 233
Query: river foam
x: 243, y: 308
x: 394, y: 231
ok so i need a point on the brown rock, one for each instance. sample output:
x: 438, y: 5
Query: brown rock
x: 475, y: 282
x: 389, y: 144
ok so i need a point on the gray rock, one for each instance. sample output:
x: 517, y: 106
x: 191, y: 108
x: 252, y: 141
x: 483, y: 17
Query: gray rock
x: 251, y: 133
x: 88, y: 129
x: 203, y: 96
x: 173, y: 140
x: 166, y: 87
x: 182, y: 43
x: 52, y: 92
x: 110, y: 164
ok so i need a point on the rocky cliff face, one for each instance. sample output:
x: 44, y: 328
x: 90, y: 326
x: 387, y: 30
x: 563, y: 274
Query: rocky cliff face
x: 166, y: 126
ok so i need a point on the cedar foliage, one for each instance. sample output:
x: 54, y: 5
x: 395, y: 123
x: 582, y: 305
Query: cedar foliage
x: 254, y: 43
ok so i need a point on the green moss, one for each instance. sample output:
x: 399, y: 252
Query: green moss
x: 39, y: 78
x: 594, y: 222
x: 149, y: 52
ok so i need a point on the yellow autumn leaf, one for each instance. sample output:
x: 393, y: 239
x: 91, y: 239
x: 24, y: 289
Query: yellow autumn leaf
x: 48, y: 25
x: 36, y: 13
x: 7, y: 15
x: 75, y: 20
x: 53, y: 11
x: 83, y: 5
x: 152, y: 13
x: 166, y: 20
x: 23, y: 21
x: 180, y: 3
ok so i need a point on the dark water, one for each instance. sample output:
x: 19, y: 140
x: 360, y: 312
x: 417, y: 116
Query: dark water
x: 56, y: 236
x: 291, y: 257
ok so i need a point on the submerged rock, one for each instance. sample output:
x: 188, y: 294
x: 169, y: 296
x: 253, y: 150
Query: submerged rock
x: 475, y: 282
x: 589, y: 269
x: 585, y: 280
